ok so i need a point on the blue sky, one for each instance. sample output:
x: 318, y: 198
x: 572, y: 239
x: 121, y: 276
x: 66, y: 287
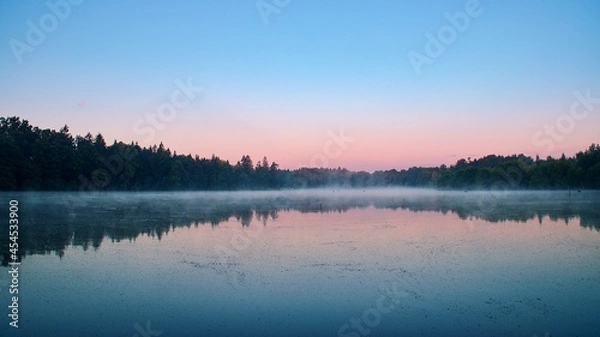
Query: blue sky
x: 280, y: 87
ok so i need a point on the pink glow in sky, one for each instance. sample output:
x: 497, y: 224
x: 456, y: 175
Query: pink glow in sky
x: 506, y: 85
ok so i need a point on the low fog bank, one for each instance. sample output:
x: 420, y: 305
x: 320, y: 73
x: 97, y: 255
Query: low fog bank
x: 51, y: 221
x: 289, y: 196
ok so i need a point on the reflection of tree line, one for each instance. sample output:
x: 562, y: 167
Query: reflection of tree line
x: 500, y: 210
x: 50, y: 224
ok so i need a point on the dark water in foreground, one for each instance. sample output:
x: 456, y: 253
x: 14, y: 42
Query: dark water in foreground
x: 309, y: 263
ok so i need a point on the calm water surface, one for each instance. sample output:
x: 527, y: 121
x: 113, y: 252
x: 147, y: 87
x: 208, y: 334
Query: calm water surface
x: 306, y: 263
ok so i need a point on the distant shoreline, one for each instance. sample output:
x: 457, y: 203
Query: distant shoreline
x: 314, y: 189
x: 37, y: 159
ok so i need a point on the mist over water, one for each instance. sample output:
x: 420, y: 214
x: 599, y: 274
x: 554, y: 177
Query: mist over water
x: 56, y: 220
x: 309, y: 262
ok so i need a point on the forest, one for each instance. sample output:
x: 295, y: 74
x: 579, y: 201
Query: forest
x: 49, y: 160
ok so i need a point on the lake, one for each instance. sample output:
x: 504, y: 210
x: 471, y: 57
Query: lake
x: 387, y: 262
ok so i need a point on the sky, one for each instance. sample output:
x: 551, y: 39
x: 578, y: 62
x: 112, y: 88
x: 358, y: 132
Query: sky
x: 365, y: 85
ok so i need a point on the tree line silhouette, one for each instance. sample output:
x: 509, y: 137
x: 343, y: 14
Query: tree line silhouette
x: 46, y: 159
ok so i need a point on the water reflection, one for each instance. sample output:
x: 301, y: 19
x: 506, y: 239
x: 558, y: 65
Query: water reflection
x: 51, y: 222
